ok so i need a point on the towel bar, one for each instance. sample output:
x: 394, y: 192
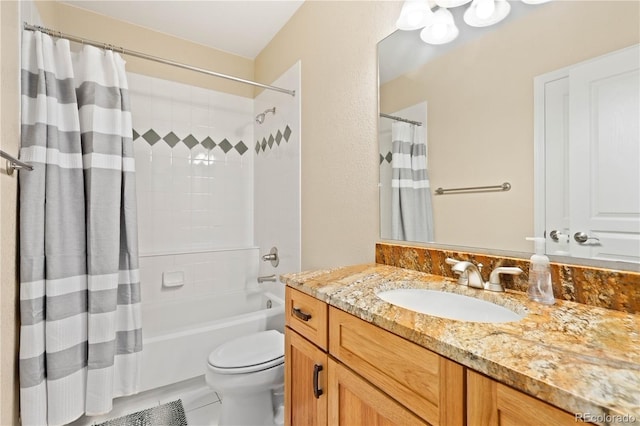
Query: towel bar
x: 14, y: 164
x: 504, y: 187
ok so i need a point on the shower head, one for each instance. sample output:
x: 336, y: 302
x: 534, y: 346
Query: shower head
x: 260, y: 117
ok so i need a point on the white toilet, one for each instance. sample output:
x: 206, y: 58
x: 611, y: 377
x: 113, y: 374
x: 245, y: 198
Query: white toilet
x: 244, y: 371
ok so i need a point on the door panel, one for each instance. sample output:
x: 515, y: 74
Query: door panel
x: 592, y: 157
x: 556, y: 135
x: 605, y: 156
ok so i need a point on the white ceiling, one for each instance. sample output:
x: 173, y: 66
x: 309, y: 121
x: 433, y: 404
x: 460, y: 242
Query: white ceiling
x: 236, y: 26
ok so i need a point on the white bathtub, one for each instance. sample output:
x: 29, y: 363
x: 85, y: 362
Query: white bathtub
x: 179, y: 335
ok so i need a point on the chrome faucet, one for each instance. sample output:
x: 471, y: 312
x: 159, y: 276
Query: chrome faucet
x: 494, y: 283
x: 267, y: 278
x: 474, y: 279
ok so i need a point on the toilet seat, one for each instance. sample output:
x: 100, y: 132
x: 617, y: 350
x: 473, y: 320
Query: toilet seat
x: 247, y: 354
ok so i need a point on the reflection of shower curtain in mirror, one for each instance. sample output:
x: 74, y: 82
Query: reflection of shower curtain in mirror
x: 411, y: 212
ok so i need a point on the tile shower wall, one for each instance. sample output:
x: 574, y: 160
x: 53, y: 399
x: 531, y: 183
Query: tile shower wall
x: 276, y: 147
x: 194, y: 170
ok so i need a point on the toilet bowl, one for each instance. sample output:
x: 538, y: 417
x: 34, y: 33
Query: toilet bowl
x: 244, y: 371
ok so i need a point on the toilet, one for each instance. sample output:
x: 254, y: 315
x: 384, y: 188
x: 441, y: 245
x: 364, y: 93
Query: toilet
x: 244, y: 371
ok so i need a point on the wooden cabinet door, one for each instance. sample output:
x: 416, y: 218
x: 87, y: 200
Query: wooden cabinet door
x: 428, y: 384
x: 305, y: 371
x: 490, y: 403
x: 354, y: 402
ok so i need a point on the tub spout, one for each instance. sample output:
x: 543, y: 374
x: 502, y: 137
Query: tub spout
x: 267, y: 278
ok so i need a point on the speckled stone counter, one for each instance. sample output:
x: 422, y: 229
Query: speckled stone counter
x: 580, y: 358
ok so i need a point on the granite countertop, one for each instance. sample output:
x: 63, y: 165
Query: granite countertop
x: 580, y: 358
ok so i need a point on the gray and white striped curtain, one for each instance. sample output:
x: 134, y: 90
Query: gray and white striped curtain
x: 80, y: 335
x: 411, y: 211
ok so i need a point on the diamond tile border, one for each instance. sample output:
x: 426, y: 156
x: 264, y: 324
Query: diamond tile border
x: 150, y: 136
x: 172, y: 139
x: 273, y: 141
x: 386, y: 158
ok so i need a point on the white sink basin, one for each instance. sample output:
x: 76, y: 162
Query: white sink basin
x: 449, y: 305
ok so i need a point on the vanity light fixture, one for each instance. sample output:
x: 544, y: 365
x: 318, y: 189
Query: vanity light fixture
x: 439, y: 26
x: 442, y: 28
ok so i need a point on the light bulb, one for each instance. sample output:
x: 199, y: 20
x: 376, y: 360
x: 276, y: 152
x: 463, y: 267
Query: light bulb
x: 499, y: 9
x: 414, y: 19
x: 439, y: 30
x: 485, y: 8
x: 415, y: 14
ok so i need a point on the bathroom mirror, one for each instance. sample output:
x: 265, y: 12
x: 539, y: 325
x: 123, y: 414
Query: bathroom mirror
x: 485, y: 123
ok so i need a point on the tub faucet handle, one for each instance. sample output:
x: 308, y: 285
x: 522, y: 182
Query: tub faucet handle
x: 272, y: 257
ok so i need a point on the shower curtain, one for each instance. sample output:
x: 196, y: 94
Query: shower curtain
x: 411, y: 211
x: 80, y: 335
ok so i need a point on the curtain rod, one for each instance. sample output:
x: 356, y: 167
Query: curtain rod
x: 393, y: 117
x: 124, y: 51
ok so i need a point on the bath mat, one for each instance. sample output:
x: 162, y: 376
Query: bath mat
x: 169, y: 414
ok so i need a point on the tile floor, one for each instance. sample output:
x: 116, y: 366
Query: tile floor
x: 201, y: 404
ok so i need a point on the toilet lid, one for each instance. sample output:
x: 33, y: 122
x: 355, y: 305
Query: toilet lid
x: 253, y: 352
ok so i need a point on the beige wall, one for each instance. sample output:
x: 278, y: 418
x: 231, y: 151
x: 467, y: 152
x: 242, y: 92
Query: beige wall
x: 336, y: 43
x: 480, y: 113
x: 9, y: 142
x: 93, y: 26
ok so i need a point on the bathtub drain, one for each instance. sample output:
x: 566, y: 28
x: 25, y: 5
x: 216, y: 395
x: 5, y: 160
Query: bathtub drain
x: 269, y: 303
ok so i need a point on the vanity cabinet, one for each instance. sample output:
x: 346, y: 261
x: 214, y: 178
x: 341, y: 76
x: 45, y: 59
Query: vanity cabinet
x: 365, y: 375
x: 490, y: 403
x: 341, y: 370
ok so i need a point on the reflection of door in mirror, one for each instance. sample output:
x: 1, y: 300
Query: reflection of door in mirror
x: 389, y: 208
x: 591, y: 135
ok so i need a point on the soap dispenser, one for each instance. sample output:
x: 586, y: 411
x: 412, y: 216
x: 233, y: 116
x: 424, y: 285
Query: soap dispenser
x: 540, y: 288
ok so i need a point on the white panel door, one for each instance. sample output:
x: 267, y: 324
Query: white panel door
x: 556, y: 153
x: 604, y: 156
